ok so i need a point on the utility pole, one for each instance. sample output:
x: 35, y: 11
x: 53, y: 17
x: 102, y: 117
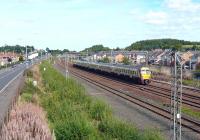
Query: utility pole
x: 41, y: 54
x: 87, y: 55
x: 176, y: 97
x: 7, y: 59
x: 147, y: 58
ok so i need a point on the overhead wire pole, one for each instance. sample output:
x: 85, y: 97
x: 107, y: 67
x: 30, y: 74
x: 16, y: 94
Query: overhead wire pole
x: 26, y: 57
x: 176, y: 97
x: 147, y: 58
x: 66, y: 66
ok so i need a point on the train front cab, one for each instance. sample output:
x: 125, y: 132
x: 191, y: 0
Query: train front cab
x: 145, y: 75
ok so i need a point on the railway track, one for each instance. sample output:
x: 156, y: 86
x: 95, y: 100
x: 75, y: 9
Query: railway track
x: 184, y: 86
x: 186, y: 122
x: 185, y: 95
x: 189, y: 100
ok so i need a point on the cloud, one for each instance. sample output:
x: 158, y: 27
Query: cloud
x: 173, y: 18
x: 156, y: 18
x: 183, y: 5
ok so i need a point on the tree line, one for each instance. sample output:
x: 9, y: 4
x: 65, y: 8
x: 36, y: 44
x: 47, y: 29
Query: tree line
x: 16, y: 49
x: 56, y: 52
x: 148, y: 45
x: 164, y: 44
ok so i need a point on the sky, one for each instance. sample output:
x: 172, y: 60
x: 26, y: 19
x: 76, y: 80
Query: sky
x: 78, y: 24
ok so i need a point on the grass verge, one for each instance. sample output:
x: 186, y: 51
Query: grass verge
x: 192, y: 83
x: 191, y: 112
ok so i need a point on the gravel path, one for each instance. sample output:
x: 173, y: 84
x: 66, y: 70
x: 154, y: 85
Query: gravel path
x: 132, y: 113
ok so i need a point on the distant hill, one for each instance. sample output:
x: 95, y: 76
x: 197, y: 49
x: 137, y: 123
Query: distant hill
x: 96, y: 48
x: 162, y: 44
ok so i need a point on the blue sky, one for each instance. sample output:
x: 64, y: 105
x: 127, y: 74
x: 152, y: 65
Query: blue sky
x: 77, y: 24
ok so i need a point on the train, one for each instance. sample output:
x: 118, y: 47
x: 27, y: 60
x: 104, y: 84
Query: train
x: 139, y: 73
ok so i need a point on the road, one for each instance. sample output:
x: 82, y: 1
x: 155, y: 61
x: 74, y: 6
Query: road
x: 10, y: 83
x: 10, y: 80
x: 7, y: 75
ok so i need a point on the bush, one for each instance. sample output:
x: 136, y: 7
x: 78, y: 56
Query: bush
x: 112, y: 128
x: 29, y: 73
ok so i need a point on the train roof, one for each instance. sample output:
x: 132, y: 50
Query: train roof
x: 115, y: 65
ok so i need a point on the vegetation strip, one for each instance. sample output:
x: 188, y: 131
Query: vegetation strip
x: 74, y: 115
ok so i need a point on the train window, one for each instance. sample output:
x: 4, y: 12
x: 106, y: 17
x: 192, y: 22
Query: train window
x: 145, y: 72
x: 148, y: 71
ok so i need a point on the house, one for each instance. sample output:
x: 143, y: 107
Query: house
x: 117, y: 56
x: 4, y: 56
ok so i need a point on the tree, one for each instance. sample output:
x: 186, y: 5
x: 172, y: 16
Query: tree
x: 126, y: 61
x: 55, y: 52
x: 117, y: 49
x: 177, y: 47
x: 195, y: 47
x: 9, y: 59
x: 96, y: 48
x: 47, y: 50
x: 21, y: 58
x: 105, y: 60
x: 65, y: 50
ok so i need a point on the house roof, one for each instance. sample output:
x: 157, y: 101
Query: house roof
x: 186, y: 56
x: 8, y: 54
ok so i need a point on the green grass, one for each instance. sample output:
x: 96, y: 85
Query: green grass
x: 75, y: 116
x: 191, y: 112
x: 189, y: 46
x: 192, y: 82
x: 29, y: 92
